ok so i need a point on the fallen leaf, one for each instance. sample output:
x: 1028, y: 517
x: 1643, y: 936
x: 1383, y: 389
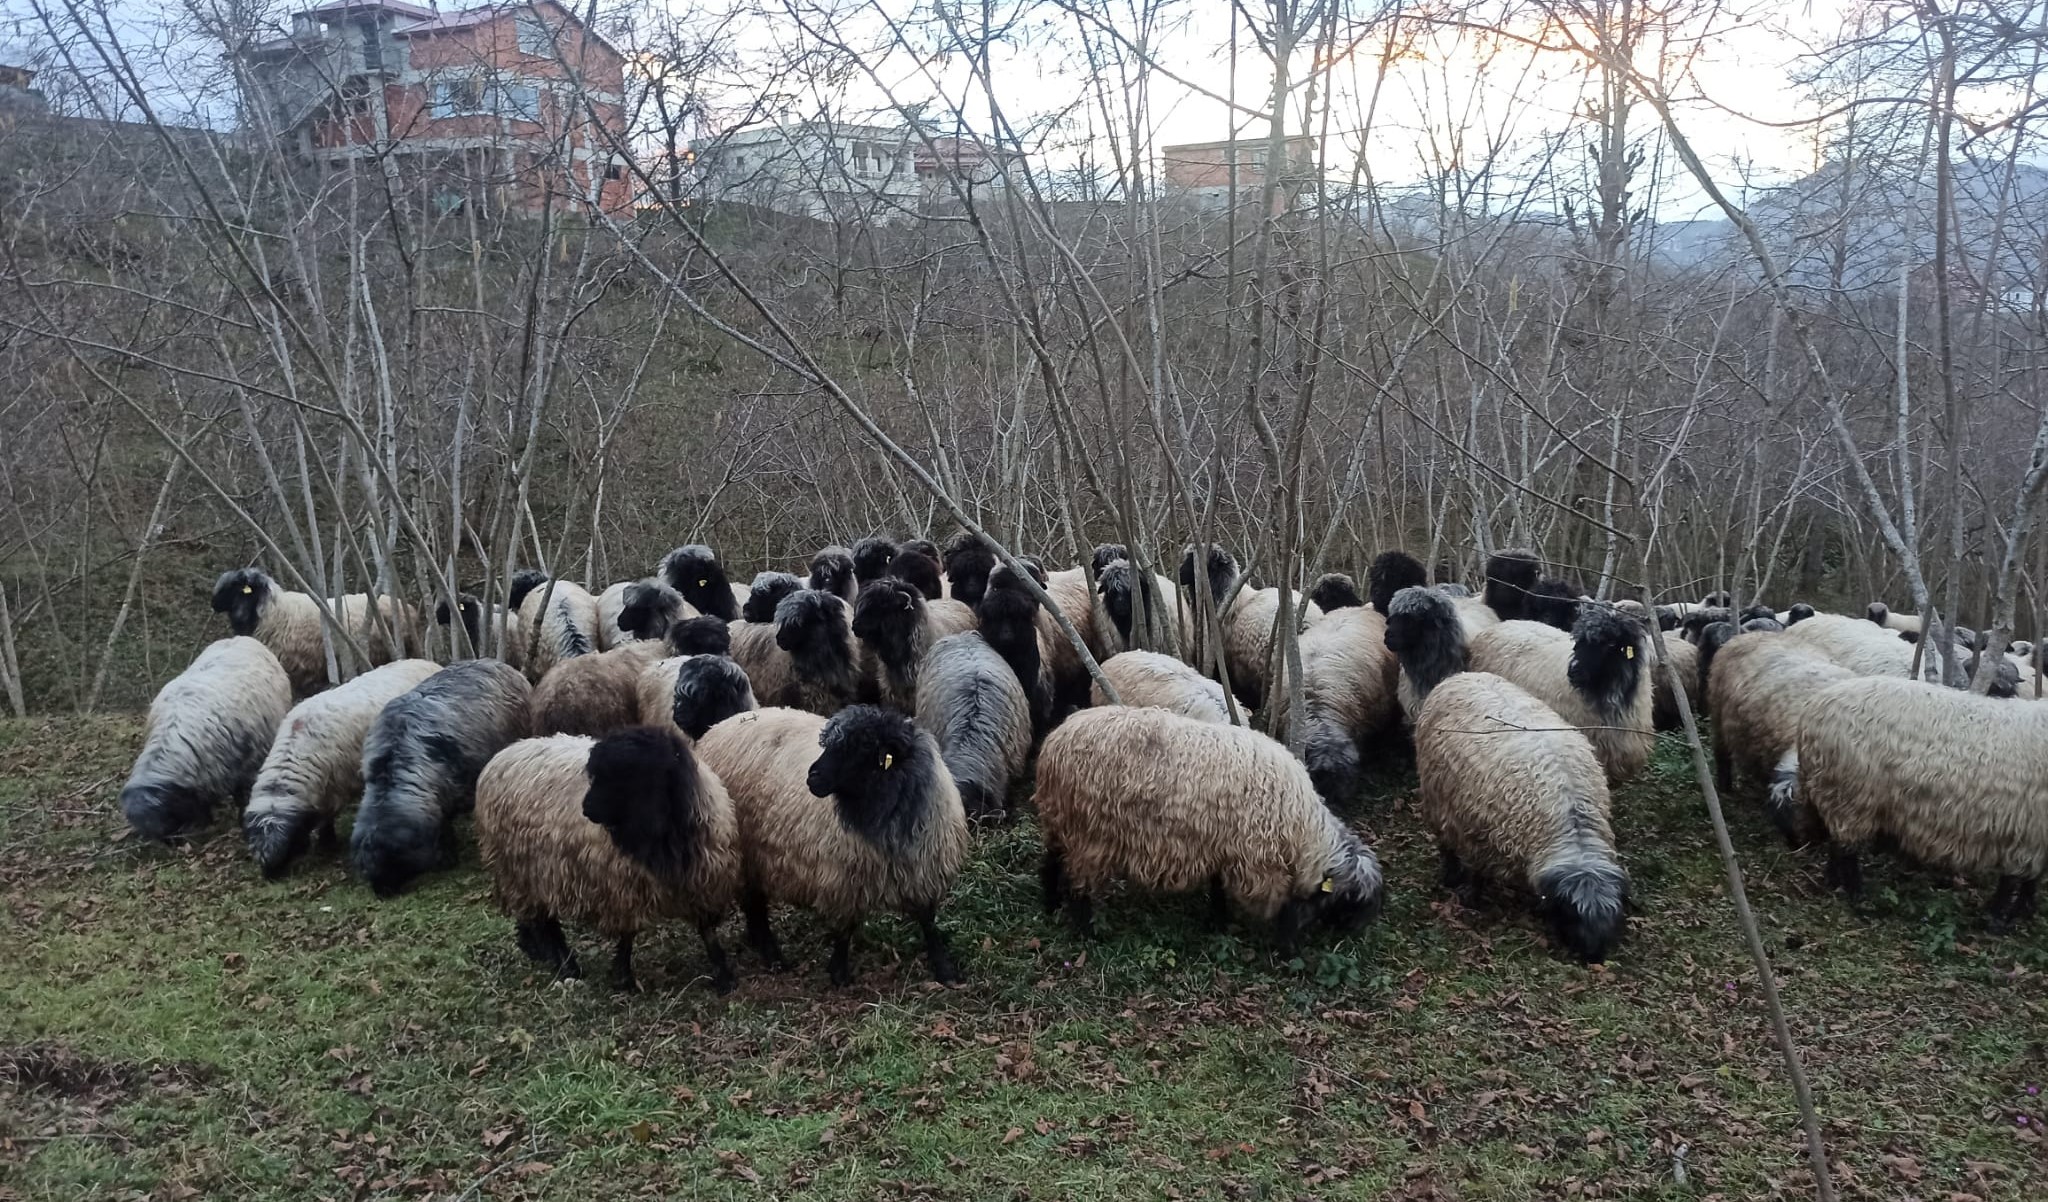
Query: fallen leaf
x: 1013, y: 1135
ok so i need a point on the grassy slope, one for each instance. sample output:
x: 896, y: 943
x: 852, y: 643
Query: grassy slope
x: 173, y: 1026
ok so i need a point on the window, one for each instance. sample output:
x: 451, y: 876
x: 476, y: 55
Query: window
x: 534, y: 37
x: 614, y: 172
x: 373, y: 47
x: 458, y: 98
x: 520, y: 101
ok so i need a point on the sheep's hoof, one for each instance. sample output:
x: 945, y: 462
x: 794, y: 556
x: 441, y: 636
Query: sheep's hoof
x: 723, y: 983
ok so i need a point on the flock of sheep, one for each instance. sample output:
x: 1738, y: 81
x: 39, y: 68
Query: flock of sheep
x: 679, y: 745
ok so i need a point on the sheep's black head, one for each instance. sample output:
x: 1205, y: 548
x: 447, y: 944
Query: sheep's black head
x: 1667, y: 617
x: 1008, y: 619
x: 709, y: 689
x: 701, y: 635
x: 1221, y: 571
x: 1424, y: 634
x: 650, y: 608
x: 1392, y: 571
x: 694, y: 571
x: 812, y: 627
x: 1758, y: 610
x: 524, y: 581
x: 873, y: 764
x: 1030, y: 564
x: 1699, y: 619
x: 1352, y: 890
x: 889, y: 617
x: 1586, y: 908
x: 394, y: 845
x: 831, y: 572
x: 2021, y: 648
x: 1452, y: 590
x: 1553, y: 603
x: 871, y: 558
x: 1712, y: 639
x: 1765, y: 625
x: 163, y: 811
x: 1105, y: 554
x: 923, y: 546
x: 968, y: 560
x: 471, y: 607
x: 1607, y: 659
x: 1510, y: 578
x: 1113, y: 581
x: 2007, y: 681
x: 241, y: 595
x: 1877, y: 611
x: 1717, y: 600
x: 915, y: 567
x: 767, y: 592
x: 644, y: 793
x: 1334, y: 591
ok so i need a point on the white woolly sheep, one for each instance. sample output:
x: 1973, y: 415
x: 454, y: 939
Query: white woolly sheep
x: 286, y: 622
x: 1882, y: 615
x: 1172, y: 805
x: 1593, y: 677
x: 1878, y: 758
x: 386, y: 629
x: 1758, y: 686
x: 870, y: 822
x: 620, y: 834
x: 1428, y: 641
x: 1147, y: 678
x: 975, y: 707
x: 204, y: 741
x: 1348, y: 681
x: 1861, y: 647
x: 420, y: 764
x: 1515, y: 796
x: 471, y: 607
x: 637, y: 610
x: 706, y: 690
x: 808, y: 659
x: 594, y: 695
x: 568, y: 629
x: 315, y: 765
x: 1247, y: 621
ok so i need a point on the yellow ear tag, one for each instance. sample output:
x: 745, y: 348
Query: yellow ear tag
x: 1629, y: 652
x: 888, y: 761
x: 1327, y: 886
x: 248, y: 588
x: 704, y: 584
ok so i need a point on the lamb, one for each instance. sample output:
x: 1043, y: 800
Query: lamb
x: 914, y: 567
x: 315, y: 765
x: 871, y: 558
x: 567, y: 630
x: 420, y: 764
x: 831, y: 572
x: 968, y: 560
x: 1392, y: 571
x: 767, y: 592
x: 694, y: 571
x: 1173, y: 804
x: 1147, y: 678
x: 896, y: 626
x: 1515, y: 796
x: 286, y: 622
x: 636, y: 610
x: 842, y: 817
x: 1349, y: 679
x: 1759, y: 687
x: 1593, y: 677
x: 1878, y: 757
x: 204, y: 741
x: 619, y: 834
x: 594, y: 695
x: 1861, y: 647
x: 1333, y: 591
x: 974, y: 706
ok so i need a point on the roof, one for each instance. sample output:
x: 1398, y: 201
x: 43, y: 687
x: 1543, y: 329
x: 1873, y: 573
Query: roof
x: 470, y: 18
x: 395, y: 7
x: 442, y: 22
x: 1260, y: 140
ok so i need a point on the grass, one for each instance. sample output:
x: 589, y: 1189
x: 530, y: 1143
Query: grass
x: 173, y: 1027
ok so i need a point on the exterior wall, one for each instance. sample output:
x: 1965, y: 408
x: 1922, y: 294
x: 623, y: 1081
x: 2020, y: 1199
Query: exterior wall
x: 812, y: 169
x: 1203, y: 169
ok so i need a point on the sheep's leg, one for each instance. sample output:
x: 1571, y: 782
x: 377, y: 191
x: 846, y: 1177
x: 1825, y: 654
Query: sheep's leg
x: 622, y: 966
x: 936, y: 953
x: 722, y: 978
x: 1081, y: 914
x: 1219, y: 904
x: 1463, y: 883
x: 324, y: 838
x: 542, y: 940
x: 840, y: 967
x: 1845, y: 871
x: 449, y: 855
x: 1052, y: 879
x: 1724, y: 766
x: 761, y: 936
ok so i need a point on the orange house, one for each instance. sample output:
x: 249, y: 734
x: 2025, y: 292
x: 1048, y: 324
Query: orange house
x: 509, y: 104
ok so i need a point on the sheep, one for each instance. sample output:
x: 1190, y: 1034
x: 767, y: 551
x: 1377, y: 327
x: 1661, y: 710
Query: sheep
x: 1008, y: 620
x: 471, y: 608
x: 1510, y: 579
x: 831, y: 572
x: 767, y: 591
x: 843, y: 817
x: 968, y: 560
x: 871, y: 558
x: 420, y: 764
x: 694, y: 571
x: 1861, y: 647
x: 1247, y: 622
x: 1593, y: 677
x: 1348, y: 681
x: 618, y: 833
x: 1172, y: 804
x: 1878, y: 757
x: 1333, y: 591
x: 1147, y: 678
x: 385, y: 629
x: 1392, y: 571
x: 1799, y: 612
x: 594, y: 694
x: 636, y: 610
x: 204, y: 741
x: 974, y: 706
x: 701, y: 635
x: 1553, y: 603
x: 1758, y: 686
x: 922, y: 546
x: 1428, y: 640
x: 914, y: 567
x: 1070, y: 590
x: 1113, y: 581
x: 286, y: 622
x: 1881, y: 614
x: 707, y: 689
x: 315, y: 765
x: 1515, y: 796
x: 1685, y: 662
x: 808, y: 659
x: 655, y: 691
x: 567, y: 630
x: 896, y: 626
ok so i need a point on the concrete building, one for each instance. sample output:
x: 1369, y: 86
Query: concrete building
x: 844, y: 171
x: 1200, y: 171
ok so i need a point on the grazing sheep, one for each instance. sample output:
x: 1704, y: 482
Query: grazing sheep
x: 568, y: 629
x: 694, y: 571
x: 471, y: 607
x: 976, y: 708
x: 594, y: 695
x: 968, y: 560
x: 1513, y: 795
x: 1147, y: 678
x: 1881, y: 614
x: 315, y: 766
x: 1392, y: 571
x: 1334, y: 591
x: 1172, y: 804
x: 1593, y: 677
x: 286, y: 622
x: 637, y: 610
x: 619, y: 834
x: 708, y: 689
x: 896, y: 626
x: 420, y: 764
x: 921, y: 571
x: 1878, y: 758
x: 204, y: 741
x: 1428, y: 640
x: 1758, y: 686
x: 831, y: 572
x: 817, y: 668
x: 871, y: 558
x: 842, y: 817
x: 1349, y: 678
x: 1863, y: 648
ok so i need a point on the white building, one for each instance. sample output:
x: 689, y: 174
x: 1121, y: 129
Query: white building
x: 840, y: 171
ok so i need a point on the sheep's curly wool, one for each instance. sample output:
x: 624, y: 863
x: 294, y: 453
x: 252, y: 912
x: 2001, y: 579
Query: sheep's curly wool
x: 594, y: 694
x: 820, y: 666
x: 637, y: 610
x: 1759, y: 686
x: 286, y: 622
x: 1170, y: 803
x: 1349, y: 679
x: 1147, y: 678
x: 975, y: 707
x: 1593, y: 678
x: 204, y: 741
x: 569, y: 628
x: 1862, y: 647
x: 1070, y: 590
x: 1685, y: 659
x: 1514, y: 794
x: 315, y: 766
x: 1113, y: 583
x: 386, y: 629
x: 1248, y: 637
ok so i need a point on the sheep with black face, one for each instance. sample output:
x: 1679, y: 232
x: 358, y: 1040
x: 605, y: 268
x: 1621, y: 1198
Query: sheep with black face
x: 694, y: 571
x: 1115, y: 583
x: 1511, y: 578
x: 831, y: 572
x: 638, y: 610
x: 568, y: 628
x: 1592, y: 676
x: 707, y: 690
x: 206, y: 737
x: 286, y: 622
x: 1334, y: 591
x: 814, y: 630
x: 1009, y: 621
x: 767, y: 592
x: 968, y: 560
x: 471, y: 609
x: 897, y: 626
x: 912, y: 566
x: 871, y: 558
x: 1392, y: 571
